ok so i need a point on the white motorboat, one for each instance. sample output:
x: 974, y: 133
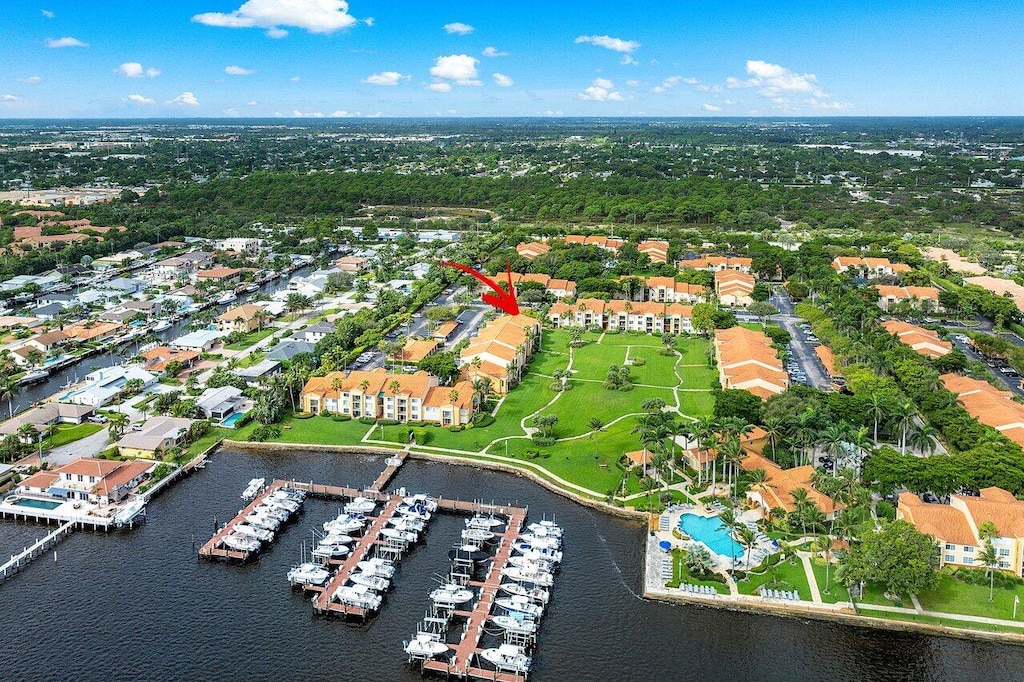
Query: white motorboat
x: 338, y: 539
x: 360, y: 505
x: 539, y: 542
x: 358, y: 595
x: 545, y: 529
x: 409, y: 524
x: 477, y: 535
x: 537, y: 594
x: 518, y: 604
x: 241, y: 543
x: 451, y: 595
x: 254, y: 488
x: 379, y: 567
x: 519, y: 624
x: 425, y: 501
x: 274, y: 512
x: 326, y: 552
x: 373, y: 582
x: 227, y: 297
x: 400, y: 535
x: 485, y: 522
x: 161, y: 325
x: 418, y: 512
x: 527, y: 576
x: 345, y: 524
x: 263, y: 521
x: 531, y: 564
x: 290, y: 493
x: 547, y: 554
x: 425, y: 645
x: 261, y: 534
x: 286, y: 502
x: 508, y: 657
x: 308, y: 574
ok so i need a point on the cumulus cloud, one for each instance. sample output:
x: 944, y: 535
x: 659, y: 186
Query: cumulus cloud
x: 774, y: 80
x: 340, y: 113
x: 138, y: 99
x: 458, y: 28
x: 9, y: 99
x: 31, y: 80
x: 308, y: 114
x: 627, y: 59
x: 440, y: 87
x: 295, y: 79
x: 491, y: 51
x: 252, y: 103
x: 369, y: 21
x: 460, y: 68
x: 135, y: 70
x: 607, y: 42
x: 66, y: 41
x: 234, y: 70
x: 384, y: 78
x: 502, y: 80
x: 186, y: 99
x: 315, y: 16
x: 710, y: 107
x: 601, y: 90
x: 47, y: 13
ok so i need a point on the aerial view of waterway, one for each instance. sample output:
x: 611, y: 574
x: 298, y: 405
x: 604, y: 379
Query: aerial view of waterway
x: 139, y: 605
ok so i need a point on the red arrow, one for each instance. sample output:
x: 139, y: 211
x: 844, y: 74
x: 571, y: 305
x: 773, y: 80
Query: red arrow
x: 502, y: 300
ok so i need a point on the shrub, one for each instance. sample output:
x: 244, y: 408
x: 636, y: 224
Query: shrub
x: 455, y: 429
x: 388, y: 422
x: 531, y: 454
x: 483, y: 420
x: 367, y: 421
x: 420, y: 435
x: 885, y: 510
x: 341, y: 418
x: 543, y: 440
x: 264, y: 433
x: 638, y: 362
x: 302, y: 415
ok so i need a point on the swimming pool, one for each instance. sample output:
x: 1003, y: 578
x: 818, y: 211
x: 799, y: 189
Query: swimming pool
x: 232, y: 420
x: 712, y: 532
x: 37, y: 504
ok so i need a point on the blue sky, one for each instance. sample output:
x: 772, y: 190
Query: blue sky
x: 214, y: 58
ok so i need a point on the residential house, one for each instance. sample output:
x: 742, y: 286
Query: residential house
x: 989, y: 405
x: 287, y: 349
x: 559, y: 288
x: 223, y: 276
x: 47, y: 342
x: 158, y: 435
x: 924, y: 298
x: 46, y: 414
x: 378, y: 394
x: 258, y: 374
x: 99, y: 481
x: 200, y: 340
x: 924, y: 341
x: 314, y: 333
x: 868, y: 267
x: 352, y: 264
x: 668, y: 290
x: 245, y: 318
x: 609, y: 244
x: 777, y: 491
x: 500, y: 349
x: 747, y: 361
x: 83, y: 332
x: 734, y: 288
x: 240, y: 245
x: 956, y: 527
x: 105, y: 384
x: 716, y: 263
x: 219, y: 403
x: 156, y: 359
x: 530, y: 250
x: 656, y: 250
x: 48, y: 311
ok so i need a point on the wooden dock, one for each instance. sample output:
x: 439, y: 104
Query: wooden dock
x: 324, y: 602
x: 25, y: 556
x: 465, y: 652
x: 215, y: 549
x: 389, y: 472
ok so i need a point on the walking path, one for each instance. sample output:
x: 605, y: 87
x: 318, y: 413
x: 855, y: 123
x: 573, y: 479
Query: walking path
x: 812, y: 581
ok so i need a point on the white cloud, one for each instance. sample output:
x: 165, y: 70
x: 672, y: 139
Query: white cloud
x: 440, y: 87
x: 276, y: 33
x: 135, y: 70
x: 667, y: 84
x: 691, y: 81
x: 340, y: 113
x: 616, y: 44
x: 628, y: 59
x: 48, y: 14
x: 710, y: 107
x: 138, y: 99
x: 384, y: 78
x: 460, y: 68
x: 369, y: 21
x: 491, y: 51
x: 601, y: 90
x: 9, y: 99
x: 31, y: 80
x: 231, y: 112
x: 308, y: 114
x: 774, y: 80
x: 185, y: 99
x: 502, y: 80
x: 634, y: 83
x: 66, y: 41
x: 315, y: 16
x: 252, y: 103
x: 234, y: 70
x: 458, y: 28
x: 295, y: 79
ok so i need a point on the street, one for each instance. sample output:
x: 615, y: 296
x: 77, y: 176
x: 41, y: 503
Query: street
x: 800, y: 349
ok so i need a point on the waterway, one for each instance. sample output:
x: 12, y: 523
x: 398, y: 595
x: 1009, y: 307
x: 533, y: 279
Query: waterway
x: 139, y: 605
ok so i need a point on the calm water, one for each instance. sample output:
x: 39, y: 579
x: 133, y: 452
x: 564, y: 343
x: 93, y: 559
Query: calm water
x: 139, y: 606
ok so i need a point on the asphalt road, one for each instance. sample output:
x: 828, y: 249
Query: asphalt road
x: 800, y: 349
x: 1011, y: 383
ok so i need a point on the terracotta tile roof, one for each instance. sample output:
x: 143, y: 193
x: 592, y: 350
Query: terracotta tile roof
x: 41, y: 479
x: 158, y: 358
x: 217, y: 273
x: 995, y: 505
x: 87, y: 466
x: 924, y: 341
x: 781, y: 483
x: 378, y: 382
x: 961, y: 385
x: 498, y: 350
x: 438, y: 396
x: 82, y: 332
x: 446, y: 329
x: 941, y: 521
x: 417, y: 349
x: 246, y: 311
x: 828, y: 360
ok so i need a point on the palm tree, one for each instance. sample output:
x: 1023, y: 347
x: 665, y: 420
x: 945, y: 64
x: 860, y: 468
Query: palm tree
x: 923, y: 438
x: 774, y: 428
x: 118, y: 420
x: 453, y: 396
x: 823, y: 545
x: 748, y: 539
x: 834, y: 436
x: 989, y: 558
x: 730, y: 452
x: 801, y: 498
x: 595, y: 425
x: 8, y: 390
x: 903, y: 416
x: 649, y: 485
x: 877, y: 411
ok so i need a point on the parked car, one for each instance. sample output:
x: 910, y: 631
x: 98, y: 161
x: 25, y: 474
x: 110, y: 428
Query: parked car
x: 99, y: 419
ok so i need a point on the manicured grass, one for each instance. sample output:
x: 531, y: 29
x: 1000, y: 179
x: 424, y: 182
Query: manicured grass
x: 947, y: 622
x: 681, y: 574
x: 657, y: 369
x: 695, y: 404
x: 788, y: 576
x: 599, y: 402
x: 954, y: 596
x: 69, y: 433
x: 251, y: 338
x: 697, y: 377
x: 211, y: 437
x: 322, y: 430
x: 593, y: 360
x: 694, y: 350
x: 836, y: 591
x: 548, y: 362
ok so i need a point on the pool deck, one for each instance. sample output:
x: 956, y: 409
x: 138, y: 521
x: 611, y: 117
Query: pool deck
x: 86, y: 515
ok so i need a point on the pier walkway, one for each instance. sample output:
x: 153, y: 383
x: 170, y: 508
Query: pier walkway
x: 390, y: 471
x: 215, y: 549
x: 25, y: 556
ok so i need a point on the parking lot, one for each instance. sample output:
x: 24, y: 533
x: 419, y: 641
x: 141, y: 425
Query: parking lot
x: 1006, y: 375
x: 802, y: 363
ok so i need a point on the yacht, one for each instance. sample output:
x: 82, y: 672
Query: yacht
x: 338, y: 539
x: 451, y: 595
x: 308, y: 574
x: 283, y: 500
x: 410, y: 524
x: 161, y: 325
x: 545, y: 528
x: 520, y: 625
x: 531, y: 564
x: 358, y: 595
x: 485, y: 522
x: 254, y: 488
x: 375, y: 583
x: 360, y: 505
x: 226, y: 297
x: 333, y: 550
x: 345, y: 524
x: 527, y: 576
x: 518, y: 604
x: 261, y: 534
x: 378, y: 567
x: 508, y: 657
x: 241, y: 543
x: 274, y: 512
x: 545, y: 553
x: 477, y: 535
x: 420, y: 500
x: 400, y: 535
x: 416, y: 512
x: 263, y: 521
x: 538, y: 542
x: 425, y: 645
x: 537, y: 594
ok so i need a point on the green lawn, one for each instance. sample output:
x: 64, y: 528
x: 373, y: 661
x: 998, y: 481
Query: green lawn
x: 681, y: 574
x: 947, y: 622
x: 593, y: 360
x: 547, y: 362
x: 251, y: 338
x: 694, y: 350
x: 212, y: 436
x: 788, y: 576
x: 698, y: 377
x: 599, y: 402
x: 322, y: 430
x: 69, y: 433
x: 696, y: 404
x: 836, y: 591
x: 657, y: 370
x: 954, y: 596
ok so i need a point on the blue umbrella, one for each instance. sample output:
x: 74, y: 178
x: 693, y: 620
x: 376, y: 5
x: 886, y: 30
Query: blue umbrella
x: 665, y: 545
